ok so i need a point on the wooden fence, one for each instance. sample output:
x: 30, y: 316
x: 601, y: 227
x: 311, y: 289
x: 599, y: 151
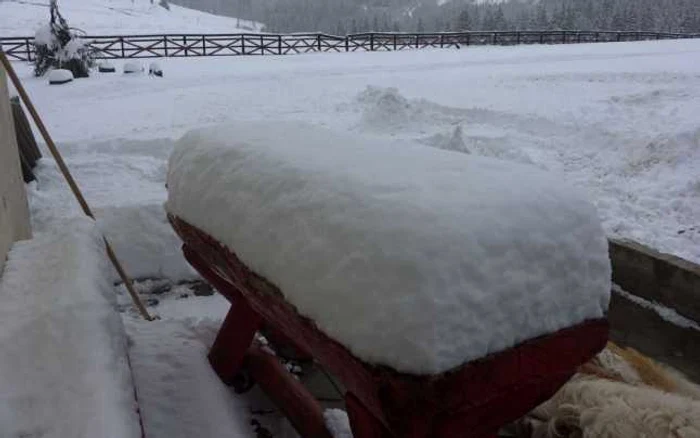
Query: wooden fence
x: 181, y: 45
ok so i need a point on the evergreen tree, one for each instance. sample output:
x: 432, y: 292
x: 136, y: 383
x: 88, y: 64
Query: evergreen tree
x: 464, y: 22
x: 58, y: 45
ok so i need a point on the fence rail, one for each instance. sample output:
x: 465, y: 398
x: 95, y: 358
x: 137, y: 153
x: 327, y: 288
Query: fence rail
x: 184, y: 45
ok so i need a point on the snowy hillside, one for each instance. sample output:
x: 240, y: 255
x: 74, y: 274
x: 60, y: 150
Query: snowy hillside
x: 109, y: 17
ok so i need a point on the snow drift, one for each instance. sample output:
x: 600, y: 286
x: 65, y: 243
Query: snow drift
x: 412, y: 257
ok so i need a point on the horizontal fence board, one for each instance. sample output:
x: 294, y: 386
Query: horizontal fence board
x: 186, y: 45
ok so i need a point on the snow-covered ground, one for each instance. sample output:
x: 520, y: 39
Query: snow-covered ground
x: 115, y: 17
x: 620, y: 121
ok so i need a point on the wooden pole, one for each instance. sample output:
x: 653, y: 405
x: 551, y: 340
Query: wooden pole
x: 71, y: 182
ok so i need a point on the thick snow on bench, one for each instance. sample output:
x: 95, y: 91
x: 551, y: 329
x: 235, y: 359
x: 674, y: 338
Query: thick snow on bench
x: 63, y: 365
x: 412, y: 257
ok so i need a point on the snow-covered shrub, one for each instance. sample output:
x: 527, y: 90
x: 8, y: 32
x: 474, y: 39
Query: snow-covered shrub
x: 59, y: 46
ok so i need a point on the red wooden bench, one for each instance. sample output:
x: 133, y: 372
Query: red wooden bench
x: 473, y: 400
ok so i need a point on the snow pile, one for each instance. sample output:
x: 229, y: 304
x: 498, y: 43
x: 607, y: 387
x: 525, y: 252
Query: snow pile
x: 411, y: 257
x: 63, y: 363
x: 60, y: 76
x: 338, y: 423
x: 387, y: 111
x: 145, y: 241
x: 124, y: 183
x: 117, y: 17
x: 132, y: 67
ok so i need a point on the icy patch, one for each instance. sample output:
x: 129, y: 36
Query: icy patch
x: 63, y: 367
x: 666, y: 313
x: 443, y: 257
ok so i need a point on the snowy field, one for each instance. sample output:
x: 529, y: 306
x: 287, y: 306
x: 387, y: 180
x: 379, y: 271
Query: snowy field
x: 620, y: 121
x: 114, y: 17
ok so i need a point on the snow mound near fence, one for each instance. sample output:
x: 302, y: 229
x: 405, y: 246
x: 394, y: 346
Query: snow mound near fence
x: 412, y: 257
x: 63, y: 368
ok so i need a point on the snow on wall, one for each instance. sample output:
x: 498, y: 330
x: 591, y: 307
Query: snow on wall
x: 412, y: 257
x: 666, y: 313
x: 63, y: 367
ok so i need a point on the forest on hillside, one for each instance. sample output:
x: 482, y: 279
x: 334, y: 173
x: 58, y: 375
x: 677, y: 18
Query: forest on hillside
x: 350, y: 16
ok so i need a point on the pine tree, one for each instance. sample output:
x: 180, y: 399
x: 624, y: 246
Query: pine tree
x: 58, y: 45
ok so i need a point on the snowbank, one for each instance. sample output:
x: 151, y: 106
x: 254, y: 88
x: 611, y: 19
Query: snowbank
x: 412, y: 257
x: 63, y: 367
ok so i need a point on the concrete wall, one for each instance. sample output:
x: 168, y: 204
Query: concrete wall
x: 663, y: 278
x: 667, y: 280
x: 14, y: 212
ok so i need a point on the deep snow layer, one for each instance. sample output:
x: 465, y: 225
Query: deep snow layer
x: 619, y: 120
x: 63, y: 366
x: 412, y: 257
x: 115, y: 17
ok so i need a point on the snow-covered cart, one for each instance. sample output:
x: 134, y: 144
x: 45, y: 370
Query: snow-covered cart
x: 450, y: 294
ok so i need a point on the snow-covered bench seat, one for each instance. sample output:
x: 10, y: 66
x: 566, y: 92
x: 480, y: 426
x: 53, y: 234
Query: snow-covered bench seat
x: 448, y: 292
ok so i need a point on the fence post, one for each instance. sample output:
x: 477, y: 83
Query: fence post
x: 184, y: 43
x: 442, y: 40
x: 318, y: 42
x: 204, y: 46
x: 469, y: 38
x: 121, y: 41
x: 394, y: 42
x: 347, y: 43
x: 578, y: 37
x: 165, y: 45
x: 494, y: 39
x: 262, y: 45
x: 371, y: 42
x: 29, y: 50
x: 517, y: 38
x: 563, y: 37
x: 417, y: 37
x: 619, y: 36
x: 279, y: 44
x: 242, y: 44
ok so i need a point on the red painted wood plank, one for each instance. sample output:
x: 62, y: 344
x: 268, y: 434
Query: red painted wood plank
x: 287, y: 393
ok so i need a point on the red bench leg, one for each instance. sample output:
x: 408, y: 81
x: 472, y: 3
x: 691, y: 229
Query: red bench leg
x: 362, y: 422
x: 289, y: 394
x: 235, y: 336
